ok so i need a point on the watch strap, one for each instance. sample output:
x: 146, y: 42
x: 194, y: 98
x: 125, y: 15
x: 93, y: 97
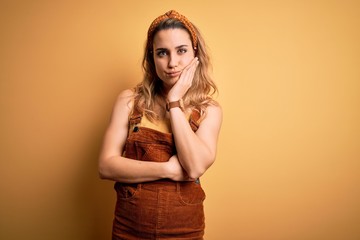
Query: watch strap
x: 174, y: 104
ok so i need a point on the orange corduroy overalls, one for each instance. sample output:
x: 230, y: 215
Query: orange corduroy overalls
x: 162, y: 209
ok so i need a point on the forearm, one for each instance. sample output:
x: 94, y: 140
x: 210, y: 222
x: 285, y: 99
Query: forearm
x: 194, y: 156
x: 127, y: 170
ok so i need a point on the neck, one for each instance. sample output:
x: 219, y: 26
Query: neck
x: 164, y: 91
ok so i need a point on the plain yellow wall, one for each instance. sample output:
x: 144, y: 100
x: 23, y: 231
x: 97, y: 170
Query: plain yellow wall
x: 288, y: 165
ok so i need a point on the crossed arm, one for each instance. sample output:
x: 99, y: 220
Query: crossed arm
x: 196, y: 151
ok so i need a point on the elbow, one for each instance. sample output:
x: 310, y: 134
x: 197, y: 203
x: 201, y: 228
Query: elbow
x: 103, y: 170
x: 197, y: 171
x: 102, y: 173
x: 195, y: 174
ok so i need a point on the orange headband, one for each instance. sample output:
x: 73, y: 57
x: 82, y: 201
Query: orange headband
x: 172, y: 14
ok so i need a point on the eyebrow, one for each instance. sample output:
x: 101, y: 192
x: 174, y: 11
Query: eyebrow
x: 164, y: 49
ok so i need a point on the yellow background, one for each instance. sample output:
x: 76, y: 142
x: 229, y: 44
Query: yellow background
x: 289, y: 78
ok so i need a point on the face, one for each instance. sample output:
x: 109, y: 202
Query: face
x: 173, y: 51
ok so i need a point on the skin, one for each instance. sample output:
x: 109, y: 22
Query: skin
x: 175, y: 60
x: 175, y: 64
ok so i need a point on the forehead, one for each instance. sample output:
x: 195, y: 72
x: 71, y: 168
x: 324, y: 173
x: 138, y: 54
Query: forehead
x: 172, y: 38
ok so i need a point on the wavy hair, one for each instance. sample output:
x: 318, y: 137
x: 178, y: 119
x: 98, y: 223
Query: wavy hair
x: 199, y: 96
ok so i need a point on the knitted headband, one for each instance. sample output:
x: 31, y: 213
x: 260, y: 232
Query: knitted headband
x: 172, y: 14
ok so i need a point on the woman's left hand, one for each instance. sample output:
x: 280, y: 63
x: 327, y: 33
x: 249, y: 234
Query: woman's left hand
x: 184, y: 82
x: 175, y: 170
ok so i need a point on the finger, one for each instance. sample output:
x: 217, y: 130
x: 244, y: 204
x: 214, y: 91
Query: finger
x: 191, y: 64
x: 185, y: 81
x: 189, y: 71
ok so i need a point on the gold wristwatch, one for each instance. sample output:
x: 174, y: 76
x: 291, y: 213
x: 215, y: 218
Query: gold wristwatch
x: 178, y: 103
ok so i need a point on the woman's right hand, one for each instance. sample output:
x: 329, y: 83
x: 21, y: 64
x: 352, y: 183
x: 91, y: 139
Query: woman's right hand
x: 175, y: 170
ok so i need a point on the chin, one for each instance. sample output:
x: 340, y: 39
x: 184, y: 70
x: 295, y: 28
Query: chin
x: 172, y: 81
x: 169, y: 83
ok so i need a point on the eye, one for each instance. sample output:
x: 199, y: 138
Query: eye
x: 161, y: 53
x: 182, y: 50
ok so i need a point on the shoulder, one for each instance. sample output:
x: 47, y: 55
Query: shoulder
x: 123, y: 105
x: 126, y: 94
x: 210, y: 125
x: 125, y: 99
x: 211, y: 113
x: 214, y: 111
x: 212, y: 108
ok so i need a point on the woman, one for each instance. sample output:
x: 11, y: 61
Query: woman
x: 163, y: 137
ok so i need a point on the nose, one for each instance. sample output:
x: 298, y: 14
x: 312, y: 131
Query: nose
x: 173, y: 61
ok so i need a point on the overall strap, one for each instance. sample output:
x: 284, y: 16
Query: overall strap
x: 136, y: 115
x: 195, y: 119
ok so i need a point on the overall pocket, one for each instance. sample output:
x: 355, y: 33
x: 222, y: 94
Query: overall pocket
x: 127, y: 191
x: 191, y: 193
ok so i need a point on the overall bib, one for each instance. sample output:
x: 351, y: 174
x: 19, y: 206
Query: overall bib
x: 162, y: 209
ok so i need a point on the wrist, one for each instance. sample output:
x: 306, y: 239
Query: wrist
x: 173, y: 104
x: 166, y: 170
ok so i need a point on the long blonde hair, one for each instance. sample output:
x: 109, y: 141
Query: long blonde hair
x: 199, y: 96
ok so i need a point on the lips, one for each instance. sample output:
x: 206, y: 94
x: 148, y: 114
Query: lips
x: 173, y: 74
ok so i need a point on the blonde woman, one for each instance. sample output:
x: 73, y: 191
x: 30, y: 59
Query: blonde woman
x: 163, y: 137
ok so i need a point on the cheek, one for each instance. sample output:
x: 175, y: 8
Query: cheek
x: 188, y: 58
x: 158, y: 65
x: 184, y: 61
